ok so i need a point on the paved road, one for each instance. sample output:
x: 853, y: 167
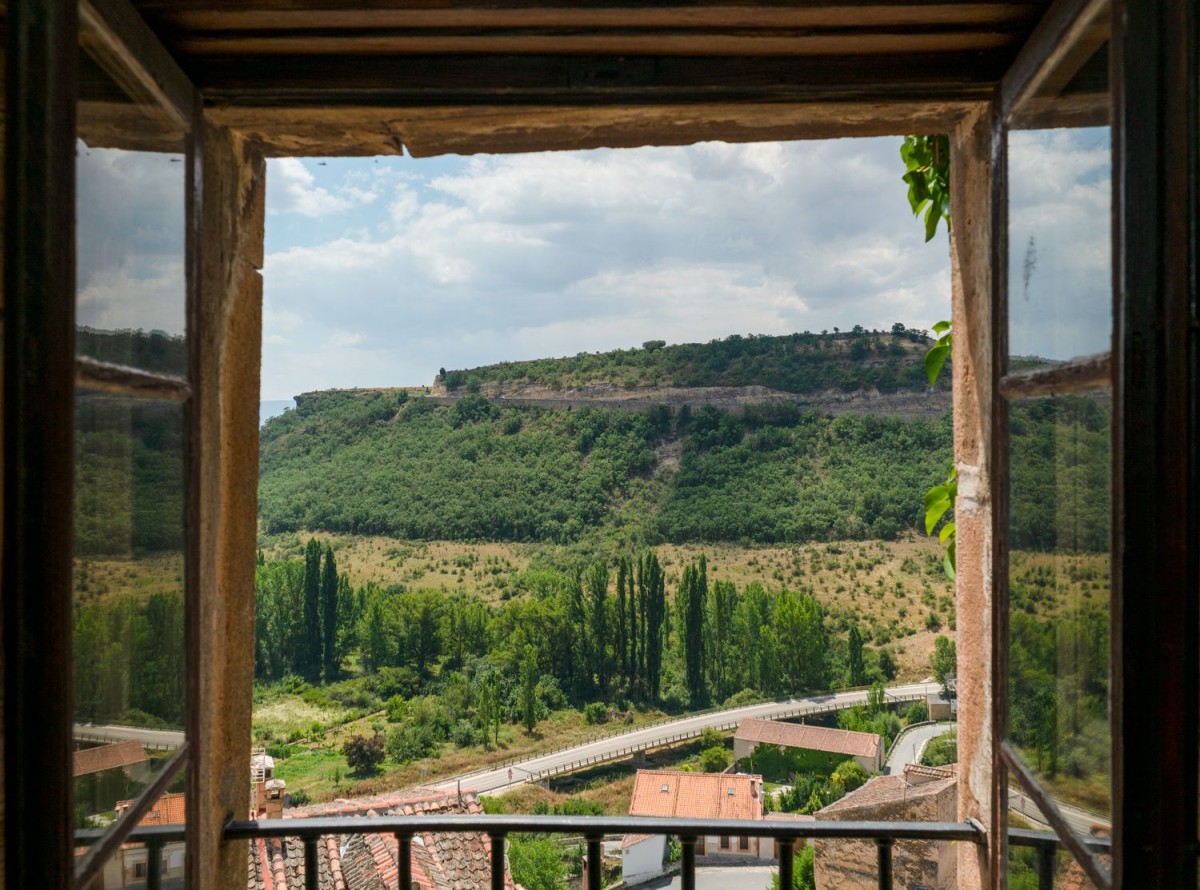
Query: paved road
x: 1081, y: 821
x: 155, y: 739
x: 718, y: 877
x: 910, y: 744
x: 619, y: 746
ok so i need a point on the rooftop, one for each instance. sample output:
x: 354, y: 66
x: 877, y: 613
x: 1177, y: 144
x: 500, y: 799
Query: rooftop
x: 96, y: 760
x: 696, y: 795
x: 885, y: 790
x: 368, y: 862
x: 811, y: 738
x: 170, y: 809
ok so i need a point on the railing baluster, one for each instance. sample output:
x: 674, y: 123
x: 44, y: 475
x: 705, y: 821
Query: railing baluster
x: 1045, y: 855
x: 595, y: 863
x: 688, y: 861
x: 497, y: 860
x: 885, y: 861
x: 787, y: 850
x: 404, y: 859
x: 310, y: 864
x: 154, y: 851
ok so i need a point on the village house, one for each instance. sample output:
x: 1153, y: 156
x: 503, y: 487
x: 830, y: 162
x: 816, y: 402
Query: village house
x: 827, y: 747
x: 920, y: 794
x: 683, y: 795
x: 131, y: 865
x: 369, y: 861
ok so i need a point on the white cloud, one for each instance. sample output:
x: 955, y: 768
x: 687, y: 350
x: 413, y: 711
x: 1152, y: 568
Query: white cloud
x: 292, y: 189
x: 506, y: 257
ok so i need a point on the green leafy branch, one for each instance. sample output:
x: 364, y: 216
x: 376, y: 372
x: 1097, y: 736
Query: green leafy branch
x: 927, y: 165
x: 927, y: 172
x: 939, y: 500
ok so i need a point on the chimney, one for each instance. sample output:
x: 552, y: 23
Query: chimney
x: 274, y: 795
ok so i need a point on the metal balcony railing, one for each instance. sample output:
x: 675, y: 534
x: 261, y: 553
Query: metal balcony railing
x: 593, y: 829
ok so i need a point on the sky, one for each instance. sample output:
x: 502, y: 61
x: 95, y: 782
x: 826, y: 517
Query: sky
x: 380, y: 271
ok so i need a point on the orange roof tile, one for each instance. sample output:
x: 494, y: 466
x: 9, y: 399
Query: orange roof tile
x: 886, y: 789
x: 170, y: 809
x: 368, y: 862
x: 811, y: 738
x: 95, y: 760
x: 790, y: 817
x: 696, y: 795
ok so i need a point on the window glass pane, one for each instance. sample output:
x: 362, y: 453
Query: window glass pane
x: 1059, y: 569
x: 129, y: 597
x: 1024, y: 866
x: 130, y: 865
x: 130, y: 224
x: 1059, y: 213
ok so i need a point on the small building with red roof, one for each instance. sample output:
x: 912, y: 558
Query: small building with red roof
x: 682, y: 795
x: 836, y: 745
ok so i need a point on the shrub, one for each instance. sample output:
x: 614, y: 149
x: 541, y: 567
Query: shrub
x: 714, y: 760
x: 395, y: 709
x: 917, y: 712
x: 363, y: 755
x: 298, y: 798
x: 849, y: 775
x: 464, y: 735
x: 596, y: 713
x: 536, y: 863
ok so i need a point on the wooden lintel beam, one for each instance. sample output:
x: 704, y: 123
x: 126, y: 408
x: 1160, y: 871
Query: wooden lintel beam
x: 506, y: 79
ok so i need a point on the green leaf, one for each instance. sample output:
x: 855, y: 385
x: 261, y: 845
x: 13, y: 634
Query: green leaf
x: 934, y: 359
x: 937, y: 502
x: 947, y: 532
x: 941, y: 327
x: 932, y: 215
x: 950, y: 563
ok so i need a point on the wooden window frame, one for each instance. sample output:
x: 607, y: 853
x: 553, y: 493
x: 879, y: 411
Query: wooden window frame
x: 1152, y: 371
x: 42, y: 375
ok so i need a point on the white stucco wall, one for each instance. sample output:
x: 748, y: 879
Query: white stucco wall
x: 643, y: 860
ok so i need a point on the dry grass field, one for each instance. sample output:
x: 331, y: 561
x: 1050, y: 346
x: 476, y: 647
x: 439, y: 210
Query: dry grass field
x: 97, y: 579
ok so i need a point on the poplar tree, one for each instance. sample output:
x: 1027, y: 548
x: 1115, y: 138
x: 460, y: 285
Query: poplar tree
x: 597, y: 587
x: 329, y: 615
x: 858, y: 672
x: 309, y: 659
x: 529, y: 696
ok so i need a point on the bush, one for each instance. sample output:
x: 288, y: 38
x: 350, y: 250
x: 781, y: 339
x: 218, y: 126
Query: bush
x: 406, y: 743
x: 536, y: 863
x: 849, y: 775
x: 941, y: 751
x: 364, y: 755
x: 917, y: 712
x: 298, y: 799
x: 714, y: 760
x: 596, y: 713
x: 396, y: 709
x: 464, y: 734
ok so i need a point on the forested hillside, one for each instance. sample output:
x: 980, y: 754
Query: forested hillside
x: 801, y: 363
x: 382, y: 463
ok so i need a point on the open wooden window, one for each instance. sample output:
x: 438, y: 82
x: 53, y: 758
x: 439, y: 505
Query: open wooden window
x: 134, y: 552
x: 1053, y: 441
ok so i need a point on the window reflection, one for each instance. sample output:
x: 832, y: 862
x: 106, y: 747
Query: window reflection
x: 1059, y: 211
x: 131, y: 180
x: 129, y: 649
x: 1059, y: 582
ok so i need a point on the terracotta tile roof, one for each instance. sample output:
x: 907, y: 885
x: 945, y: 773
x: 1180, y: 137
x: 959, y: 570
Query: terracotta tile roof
x: 696, y: 795
x: 887, y: 789
x: 790, y: 817
x: 368, y: 862
x: 918, y: 770
x: 95, y: 760
x: 170, y: 809
x: 811, y: 738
